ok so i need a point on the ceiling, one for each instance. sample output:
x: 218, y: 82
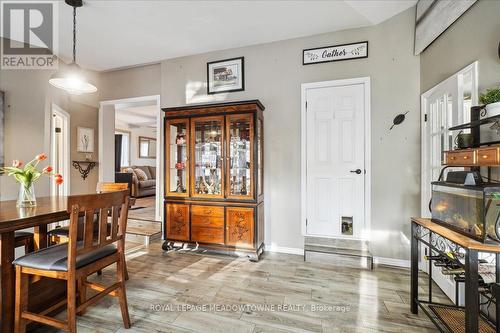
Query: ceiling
x: 136, y: 116
x: 117, y: 34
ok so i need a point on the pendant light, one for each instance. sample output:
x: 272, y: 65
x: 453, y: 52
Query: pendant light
x: 73, y: 79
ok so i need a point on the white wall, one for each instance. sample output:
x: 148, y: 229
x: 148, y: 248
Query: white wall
x: 274, y: 73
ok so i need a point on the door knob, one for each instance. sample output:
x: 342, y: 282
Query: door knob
x: 357, y: 171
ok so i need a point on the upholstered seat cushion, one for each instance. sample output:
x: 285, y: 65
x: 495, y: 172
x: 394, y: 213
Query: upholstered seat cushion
x: 55, y: 258
x: 147, y: 183
x: 18, y: 235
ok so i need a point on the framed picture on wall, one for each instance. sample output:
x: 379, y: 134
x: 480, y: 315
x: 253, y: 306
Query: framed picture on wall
x: 85, y: 137
x: 226, y: 75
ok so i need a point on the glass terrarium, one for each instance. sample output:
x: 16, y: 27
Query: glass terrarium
x: 471, y: 210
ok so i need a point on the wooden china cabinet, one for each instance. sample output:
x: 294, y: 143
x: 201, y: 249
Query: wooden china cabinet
x: 214, y: 177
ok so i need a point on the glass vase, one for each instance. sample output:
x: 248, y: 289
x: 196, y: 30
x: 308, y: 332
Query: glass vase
x: 26, y: 196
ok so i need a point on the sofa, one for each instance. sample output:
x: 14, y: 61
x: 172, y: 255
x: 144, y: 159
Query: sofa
x: 143, y: 180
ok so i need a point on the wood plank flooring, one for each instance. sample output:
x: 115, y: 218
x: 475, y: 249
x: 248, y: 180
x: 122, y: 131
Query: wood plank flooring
x: 188, y: 292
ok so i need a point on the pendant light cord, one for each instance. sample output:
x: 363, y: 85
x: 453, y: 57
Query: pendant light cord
x: 74, y: 35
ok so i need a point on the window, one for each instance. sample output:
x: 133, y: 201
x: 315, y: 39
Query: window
x: 125, y: 153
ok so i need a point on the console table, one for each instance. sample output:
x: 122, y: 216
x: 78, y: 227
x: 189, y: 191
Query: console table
x: 440, y: 237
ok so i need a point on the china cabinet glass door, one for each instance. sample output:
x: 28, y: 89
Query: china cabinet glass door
x: 240, y: 156
x: 207, y: 144
x: 177, y: 152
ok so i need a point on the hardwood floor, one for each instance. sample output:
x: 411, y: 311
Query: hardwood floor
x: 147, y: 210
x: 299, y: 296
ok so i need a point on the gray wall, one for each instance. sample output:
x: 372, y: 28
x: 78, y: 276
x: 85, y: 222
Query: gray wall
x: 28, y: 97
x: 475, y: 36
x: 131, y: 82
x: 274, y: 73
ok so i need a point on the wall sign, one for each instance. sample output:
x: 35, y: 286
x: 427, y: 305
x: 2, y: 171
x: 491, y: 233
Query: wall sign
x: 335, y: 53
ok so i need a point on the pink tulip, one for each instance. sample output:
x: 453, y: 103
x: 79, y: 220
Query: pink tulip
x: 17, y: 163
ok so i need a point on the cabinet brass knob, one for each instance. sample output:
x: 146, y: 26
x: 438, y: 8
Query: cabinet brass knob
x: 466, y: 157
x: 485, y: 156
x: 453, y: 158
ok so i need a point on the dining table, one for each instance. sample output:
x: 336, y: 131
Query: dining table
x: 46, y: 292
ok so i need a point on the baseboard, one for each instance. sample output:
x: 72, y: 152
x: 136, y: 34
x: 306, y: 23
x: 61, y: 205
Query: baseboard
x: 281, y: 249
x: 392, y: 262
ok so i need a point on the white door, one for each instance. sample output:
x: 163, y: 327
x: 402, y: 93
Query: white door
x: 60, y: 154
x: 335, y: 160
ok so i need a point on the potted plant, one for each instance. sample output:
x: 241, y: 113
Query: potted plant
x: 491, y: 99
x: 27, y: 175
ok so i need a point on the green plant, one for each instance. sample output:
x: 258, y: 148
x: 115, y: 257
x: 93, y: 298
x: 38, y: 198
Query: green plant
x: 490, y: 96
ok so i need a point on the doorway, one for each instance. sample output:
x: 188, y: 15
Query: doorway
x: 335, y: 156
x: 60, y: 153
x: 141, y: 118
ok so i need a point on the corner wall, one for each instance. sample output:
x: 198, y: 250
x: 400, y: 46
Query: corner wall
x: 474, y: 36
x: 274, y: 74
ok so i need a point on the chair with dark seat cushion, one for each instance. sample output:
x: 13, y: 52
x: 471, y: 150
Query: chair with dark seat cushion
x: 55, y: 258
x: 77, y: 259
x: 25, y: 239
x: 60, y: 234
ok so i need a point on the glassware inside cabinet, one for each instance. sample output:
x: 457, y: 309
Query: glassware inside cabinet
x: 240, y: 150
x: 178, y: 166
x: 208, y: 157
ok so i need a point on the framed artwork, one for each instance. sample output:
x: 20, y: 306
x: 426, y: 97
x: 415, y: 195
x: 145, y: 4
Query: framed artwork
x: 2, y: 120
x: 226, y: 75
x: 335, y: 53
x: 433, y: 17
x: 85, y: 137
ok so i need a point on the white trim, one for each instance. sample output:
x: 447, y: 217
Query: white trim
x: 402, y: 263
x: 282, y: 249
x: 334, y: 83
x: 66, y: 172
x: 424, y: 154
x: 159, y: 147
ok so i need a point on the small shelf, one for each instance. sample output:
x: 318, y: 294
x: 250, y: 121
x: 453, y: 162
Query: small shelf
x: 476, y: 123
x: 451, y: 319
x: 84, y: 170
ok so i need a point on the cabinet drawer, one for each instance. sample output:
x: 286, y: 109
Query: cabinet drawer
x: 208, y: 211
x: 207, y: 221
x: 487, y: 156
x: 207, y: 235
x: 461, y: 157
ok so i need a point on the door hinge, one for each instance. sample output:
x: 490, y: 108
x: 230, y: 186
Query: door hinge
x: 425, y: 117
x: 306, y: 222
x: 306, y: 105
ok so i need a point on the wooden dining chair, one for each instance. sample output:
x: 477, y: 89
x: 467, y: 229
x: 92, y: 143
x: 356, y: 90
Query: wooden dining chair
x: 103, y: 187
x: 24, y: 239
x: 75, y: 260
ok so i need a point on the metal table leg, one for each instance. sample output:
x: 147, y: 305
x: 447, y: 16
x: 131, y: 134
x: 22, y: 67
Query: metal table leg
x: 414, y: 269
x: 471, y: 292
